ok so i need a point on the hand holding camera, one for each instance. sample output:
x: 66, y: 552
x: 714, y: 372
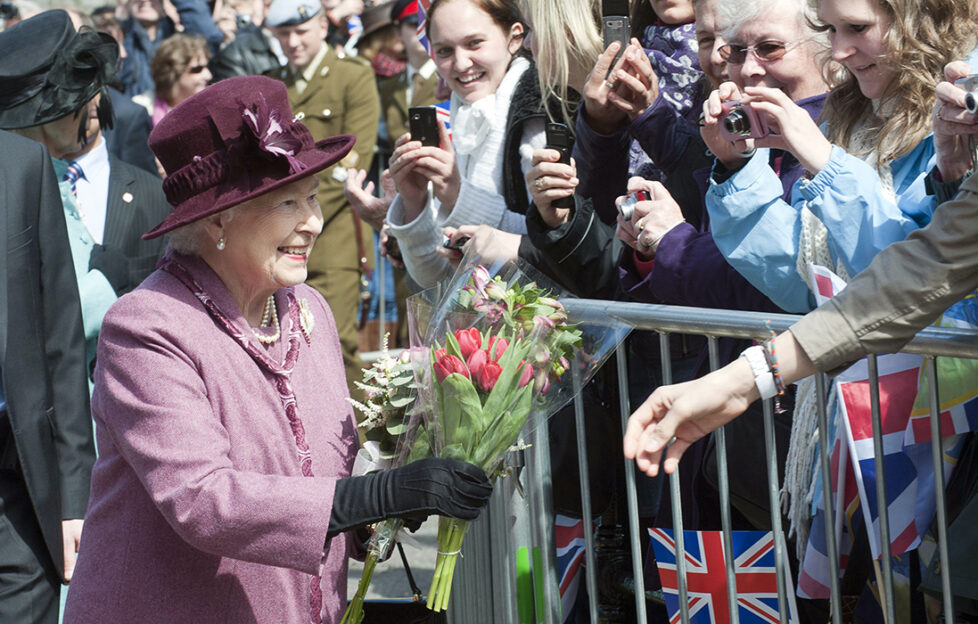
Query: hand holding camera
x: 420, y: 159
x: 955, y: 120
x: 552, y: 178
x: 646, y: 215
x: 763, y: 117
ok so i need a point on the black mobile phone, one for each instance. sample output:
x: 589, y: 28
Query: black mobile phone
x: 447, y: 243
x: 423, y: 124
x: 559, y: 138
x: 615, y: 26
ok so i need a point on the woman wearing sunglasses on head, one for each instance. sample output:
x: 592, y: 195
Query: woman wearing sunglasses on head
x: 179, y: 70
x: 876, y: 174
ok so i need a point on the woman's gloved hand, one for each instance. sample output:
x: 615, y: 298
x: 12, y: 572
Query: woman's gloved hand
x: 446, y: 487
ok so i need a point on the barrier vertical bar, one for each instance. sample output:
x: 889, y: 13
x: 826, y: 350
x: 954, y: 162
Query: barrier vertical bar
x: 501, y: 550
x: 886, y: 589
x: 542, y: 523
x: 590, y: 573
x: 773, y: 489
x: 937, y: 450
x: 675, y: 495
x: 835, y: 603
x: 723, y: 479
x: 635, y: 532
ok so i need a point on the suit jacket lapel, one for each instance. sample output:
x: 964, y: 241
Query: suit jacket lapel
x: 118, y: 211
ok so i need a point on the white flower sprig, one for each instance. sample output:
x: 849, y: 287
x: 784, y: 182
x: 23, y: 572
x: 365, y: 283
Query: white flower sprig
x: 389, y: 388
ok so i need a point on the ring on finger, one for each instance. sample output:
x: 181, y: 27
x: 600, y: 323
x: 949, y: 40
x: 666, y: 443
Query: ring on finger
x: 537, y: 184
x: 644, y: 239
x: 609, y: 84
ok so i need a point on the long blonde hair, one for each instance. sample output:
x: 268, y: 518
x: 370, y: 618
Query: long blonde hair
x: 924, y: 36
x: 567, y: 34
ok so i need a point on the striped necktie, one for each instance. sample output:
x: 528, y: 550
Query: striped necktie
x: 72, y: 174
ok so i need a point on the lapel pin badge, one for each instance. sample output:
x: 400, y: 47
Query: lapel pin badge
x: 127, y: 197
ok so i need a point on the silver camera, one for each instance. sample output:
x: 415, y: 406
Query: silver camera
x: 627, y: 207
x: 970, y: 84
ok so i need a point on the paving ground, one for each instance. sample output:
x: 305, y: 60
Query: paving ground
x: 389, y: 580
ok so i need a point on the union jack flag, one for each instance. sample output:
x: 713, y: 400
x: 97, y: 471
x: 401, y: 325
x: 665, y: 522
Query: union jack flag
x: 908, y: 464
x: 444, y: 112
x: 423, y: 6
x: 706, y: 576
x: 569, y: 537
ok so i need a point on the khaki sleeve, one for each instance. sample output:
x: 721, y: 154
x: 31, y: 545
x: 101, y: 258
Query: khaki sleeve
x: 907, y: 286
x: 363, y: 115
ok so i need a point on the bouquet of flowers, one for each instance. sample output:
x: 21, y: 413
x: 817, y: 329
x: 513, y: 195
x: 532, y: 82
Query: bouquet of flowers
x: 500, y: 349
x: 391, y: 438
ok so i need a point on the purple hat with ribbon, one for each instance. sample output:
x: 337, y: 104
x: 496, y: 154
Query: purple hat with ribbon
x: 232, y: 142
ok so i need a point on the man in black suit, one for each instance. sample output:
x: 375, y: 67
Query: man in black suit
x: 46, y: 448
x: 56, y: 84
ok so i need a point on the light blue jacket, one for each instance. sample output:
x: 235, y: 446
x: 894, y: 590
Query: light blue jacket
x: 759, y: 233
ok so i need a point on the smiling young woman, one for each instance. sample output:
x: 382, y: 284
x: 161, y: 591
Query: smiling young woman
x: 496, y: 120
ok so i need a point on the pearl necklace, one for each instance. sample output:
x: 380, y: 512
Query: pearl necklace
x: 269, y: 318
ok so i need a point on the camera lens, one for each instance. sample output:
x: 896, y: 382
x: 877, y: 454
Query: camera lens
x: 737, y: 123
x: 971, y: 102
x: 627, y: 209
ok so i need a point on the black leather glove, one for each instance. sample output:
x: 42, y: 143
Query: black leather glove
x: 114, y: 265
x: 446, y: 487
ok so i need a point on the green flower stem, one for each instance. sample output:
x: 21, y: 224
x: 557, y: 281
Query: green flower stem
x: 354, y: 612
x: 381, y: 544
x: 451, y: 534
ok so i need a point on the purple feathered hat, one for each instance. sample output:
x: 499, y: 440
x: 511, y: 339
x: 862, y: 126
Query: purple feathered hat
x: 232, y: 142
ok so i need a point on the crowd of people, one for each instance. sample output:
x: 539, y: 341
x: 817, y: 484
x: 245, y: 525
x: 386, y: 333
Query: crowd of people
x: 195, y: 193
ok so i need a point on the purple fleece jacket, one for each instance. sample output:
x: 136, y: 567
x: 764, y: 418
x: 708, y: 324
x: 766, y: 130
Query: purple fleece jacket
x: 689, y: 268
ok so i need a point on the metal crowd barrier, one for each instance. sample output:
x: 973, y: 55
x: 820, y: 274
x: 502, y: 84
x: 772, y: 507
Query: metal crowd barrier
x: 473, y: 596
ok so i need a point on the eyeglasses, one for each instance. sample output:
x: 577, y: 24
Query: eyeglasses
x: 770, y: 50
x: 196, y: 69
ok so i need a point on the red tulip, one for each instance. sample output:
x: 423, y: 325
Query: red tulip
x: 497, y: 346
x: 469, y: 341
x: 526, y: 373
x: 486, y: 378
x: 448, y: 365
x: 440, y: 353
x: 477, y: 360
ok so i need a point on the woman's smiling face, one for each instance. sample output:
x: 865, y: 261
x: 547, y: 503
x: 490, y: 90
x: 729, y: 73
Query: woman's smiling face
x: 471, y: 51
x: 857, y: 31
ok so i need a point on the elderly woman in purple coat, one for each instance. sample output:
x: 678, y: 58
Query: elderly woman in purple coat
x: 222, y: 491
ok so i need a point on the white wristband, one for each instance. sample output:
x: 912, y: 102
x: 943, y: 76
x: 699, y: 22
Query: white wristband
x: 763, y: 377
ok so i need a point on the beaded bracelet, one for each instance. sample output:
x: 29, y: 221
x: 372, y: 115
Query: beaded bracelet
x: 771, y: 355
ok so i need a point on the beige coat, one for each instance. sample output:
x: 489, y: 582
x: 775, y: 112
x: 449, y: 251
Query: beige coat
x: 908, y: 285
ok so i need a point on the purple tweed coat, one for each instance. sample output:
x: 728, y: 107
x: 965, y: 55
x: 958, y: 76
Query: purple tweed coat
x: 214, y: 483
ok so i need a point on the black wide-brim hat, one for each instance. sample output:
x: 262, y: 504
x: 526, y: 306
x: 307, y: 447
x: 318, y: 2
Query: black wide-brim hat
x: 47, y: 70
x: 232, y: 142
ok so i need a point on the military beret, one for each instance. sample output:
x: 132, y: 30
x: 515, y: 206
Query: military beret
x: 292, y: 12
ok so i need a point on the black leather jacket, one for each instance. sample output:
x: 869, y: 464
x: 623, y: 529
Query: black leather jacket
x: 250, y: 54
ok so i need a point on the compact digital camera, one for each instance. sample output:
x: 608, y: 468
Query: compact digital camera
x: 970, y: 84
x: 740, y: 121
x: 627, y: 207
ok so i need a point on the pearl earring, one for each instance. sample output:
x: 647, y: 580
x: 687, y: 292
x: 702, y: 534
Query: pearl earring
x: 221, y: 244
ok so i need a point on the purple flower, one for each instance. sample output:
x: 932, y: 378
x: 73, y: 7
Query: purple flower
x: 265, y: 124
x: 480, y: 277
